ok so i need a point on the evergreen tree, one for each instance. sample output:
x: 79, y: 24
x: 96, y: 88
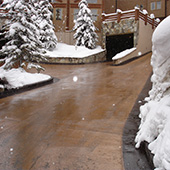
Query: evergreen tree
x: 85, y: 30
x: 47, y: 34
x: 23, y: 44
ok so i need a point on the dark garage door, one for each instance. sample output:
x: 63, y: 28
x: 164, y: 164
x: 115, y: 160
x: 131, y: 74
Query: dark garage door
x: 118, y: 43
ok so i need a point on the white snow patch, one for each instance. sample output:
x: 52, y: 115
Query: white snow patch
x: 118, y: 11
x: 1, y: 86
x: 123, y: 53
x: 139, y: 53
x: 152, y: 16
x: 145, y: 12
x: 157, y: 20
x: 64, y: 50
x: 155, y: 117
x: 18, y: 78
x: 75, y: 78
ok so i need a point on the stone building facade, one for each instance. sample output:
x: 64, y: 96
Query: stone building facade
x: 127, y: 26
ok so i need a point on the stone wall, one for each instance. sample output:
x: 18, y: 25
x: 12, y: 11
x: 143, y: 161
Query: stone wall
x: 125, y: 26
x: 98, y: 57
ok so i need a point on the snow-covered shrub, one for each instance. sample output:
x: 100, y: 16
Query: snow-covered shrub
x: 155, y: 114
x: 23, y: 34
x: 85, y: 30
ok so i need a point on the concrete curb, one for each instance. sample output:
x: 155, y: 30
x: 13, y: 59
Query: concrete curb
x: 136, y: 159
x: 129, y: 60
x: 10, y: 92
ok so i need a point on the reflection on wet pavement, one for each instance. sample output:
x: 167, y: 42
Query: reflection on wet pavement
x: 75, y: 123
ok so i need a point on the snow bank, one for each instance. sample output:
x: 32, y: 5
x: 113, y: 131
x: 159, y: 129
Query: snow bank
x: 18, y: 78
x: 64, y: 50
x: 155, y: 114
x: 123, y: 53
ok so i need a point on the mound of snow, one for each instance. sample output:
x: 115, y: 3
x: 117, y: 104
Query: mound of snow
x: 123, y: 53
x: 18, y: 78
x: 65, y: 50
x: 155, y: 114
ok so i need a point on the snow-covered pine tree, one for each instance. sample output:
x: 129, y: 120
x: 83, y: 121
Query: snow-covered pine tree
x: 47, y: 34
x: 85, y: 30
x: 23, y: 44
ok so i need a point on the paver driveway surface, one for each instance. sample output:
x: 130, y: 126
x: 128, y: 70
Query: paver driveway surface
x: 75, y: 123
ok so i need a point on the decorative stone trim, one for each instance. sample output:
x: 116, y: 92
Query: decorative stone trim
x: 125, y: 26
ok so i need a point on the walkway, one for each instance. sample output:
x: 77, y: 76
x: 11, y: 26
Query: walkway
x: 71, y: 125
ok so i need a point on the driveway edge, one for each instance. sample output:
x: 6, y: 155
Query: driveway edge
x: 141, y: 158
x: 10, y: 92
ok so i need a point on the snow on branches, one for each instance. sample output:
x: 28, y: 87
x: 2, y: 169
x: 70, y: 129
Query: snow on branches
x: 24, y: 33
x: 47, y: 34
x: 85, y: 30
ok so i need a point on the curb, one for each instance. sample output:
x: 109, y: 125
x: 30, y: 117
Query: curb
x: 131, y: 59
x: 139, y: 159
x: 10, y: 92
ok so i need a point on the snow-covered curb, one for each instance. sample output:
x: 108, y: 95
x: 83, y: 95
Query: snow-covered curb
x: 70, y: 51
x: 123, y: 53
x: 18, y: 78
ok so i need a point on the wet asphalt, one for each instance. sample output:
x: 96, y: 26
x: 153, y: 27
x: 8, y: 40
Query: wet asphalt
x: 75, y: 123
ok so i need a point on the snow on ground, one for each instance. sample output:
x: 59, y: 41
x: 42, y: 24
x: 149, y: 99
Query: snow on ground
x: 123, y: 53
x: 19, y: 77
x: 65, y: 50
x: 155, y: 114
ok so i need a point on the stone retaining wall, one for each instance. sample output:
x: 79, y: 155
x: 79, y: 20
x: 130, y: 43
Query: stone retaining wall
x: 125, y: 26
x: 98, y: 57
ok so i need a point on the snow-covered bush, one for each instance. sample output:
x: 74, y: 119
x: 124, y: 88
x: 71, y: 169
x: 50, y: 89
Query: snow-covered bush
x: 155, y: 114
x: 85, y: 30
x: 23, y: 34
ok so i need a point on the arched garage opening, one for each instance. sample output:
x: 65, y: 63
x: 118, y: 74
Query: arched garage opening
x: 118, y: 43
